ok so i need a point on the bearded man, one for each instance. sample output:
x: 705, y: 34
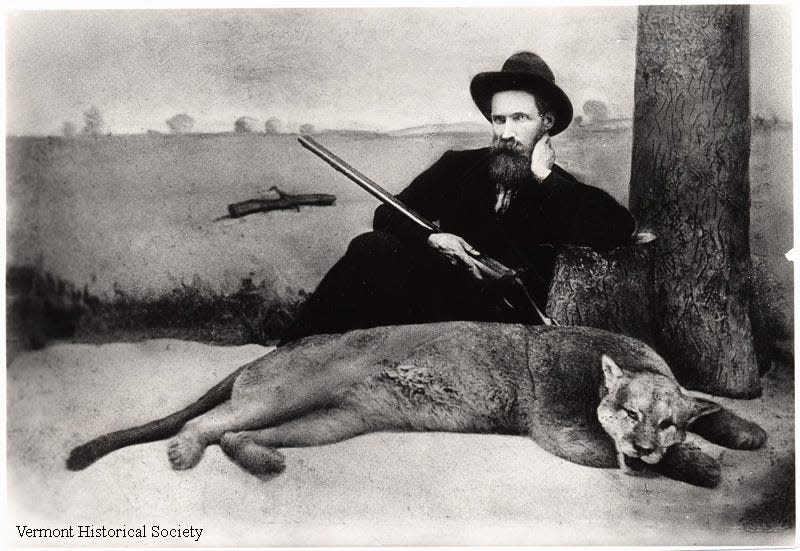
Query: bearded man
x: 508, y: 201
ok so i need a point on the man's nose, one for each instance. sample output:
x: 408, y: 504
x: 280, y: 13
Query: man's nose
x: 508, y: 131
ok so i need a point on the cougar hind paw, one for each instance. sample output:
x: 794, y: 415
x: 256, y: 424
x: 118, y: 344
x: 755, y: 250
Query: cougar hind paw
x: 252, y: 457
x: 184, y: 451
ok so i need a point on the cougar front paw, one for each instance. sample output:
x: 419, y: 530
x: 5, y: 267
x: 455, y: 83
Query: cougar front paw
x: 752, y: 437
x: 631, y: 465
x: 689, y: 464
x: 728, y: 429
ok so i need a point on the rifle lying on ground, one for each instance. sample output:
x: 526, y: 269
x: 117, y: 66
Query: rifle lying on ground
x: 495, y: 269
x: 284, y: 201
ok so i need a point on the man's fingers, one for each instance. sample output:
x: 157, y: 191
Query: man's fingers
x: 457, y: 252
x: 464, y: 259
x: 489, y: 273
x: 466, y: 247
x: 474, y: 269
x: 476, y: 273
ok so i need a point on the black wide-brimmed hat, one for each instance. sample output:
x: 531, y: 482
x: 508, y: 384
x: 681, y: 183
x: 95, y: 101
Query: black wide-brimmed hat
x: 523, y: 71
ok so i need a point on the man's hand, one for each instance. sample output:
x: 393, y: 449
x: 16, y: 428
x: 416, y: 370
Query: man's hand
x: 542, y: 158
x: 459, y: 253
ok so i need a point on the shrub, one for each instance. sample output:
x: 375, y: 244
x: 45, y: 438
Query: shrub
x: 180, y: 123
x: 272, y: 126
x: 245, y: 125
x: 93, y: 121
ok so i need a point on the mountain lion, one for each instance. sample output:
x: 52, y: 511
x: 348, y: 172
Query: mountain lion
x: 589, y: 396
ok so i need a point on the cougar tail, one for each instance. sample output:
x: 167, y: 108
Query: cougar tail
x: 83, y: 456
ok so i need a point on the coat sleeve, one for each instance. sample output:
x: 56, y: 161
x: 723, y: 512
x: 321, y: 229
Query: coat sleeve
x: 588, y: 216
x: 425, y: 195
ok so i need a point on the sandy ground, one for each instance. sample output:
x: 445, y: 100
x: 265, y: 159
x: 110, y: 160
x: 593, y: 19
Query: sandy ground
x: 398, y: 489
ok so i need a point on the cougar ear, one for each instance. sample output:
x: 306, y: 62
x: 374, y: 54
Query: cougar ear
x: 611, y: 370
x: 700, y: 407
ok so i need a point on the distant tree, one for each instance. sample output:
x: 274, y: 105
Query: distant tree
x: 180, y: 123
x: 577, y: 120
x: 595, y: 111
x: 93, y: 121
x: 69, y: 129
x: 306, y: 129
x: 272, y: 126
x: 245, y: 125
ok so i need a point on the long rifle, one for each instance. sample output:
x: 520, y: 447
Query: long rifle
x: 494, y: 268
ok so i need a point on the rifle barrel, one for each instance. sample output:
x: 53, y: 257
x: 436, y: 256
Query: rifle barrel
x: 361, y: 180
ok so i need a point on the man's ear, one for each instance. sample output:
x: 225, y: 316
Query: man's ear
x: 549, y: 121
x: 611, y: 370
x: 700, y: 407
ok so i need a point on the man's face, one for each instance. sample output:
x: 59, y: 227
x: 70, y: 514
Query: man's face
x: 517, y: 122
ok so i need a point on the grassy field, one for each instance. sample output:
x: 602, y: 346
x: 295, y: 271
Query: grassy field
x: 133, y: 219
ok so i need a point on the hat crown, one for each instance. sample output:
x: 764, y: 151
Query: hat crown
x: 528, y: 62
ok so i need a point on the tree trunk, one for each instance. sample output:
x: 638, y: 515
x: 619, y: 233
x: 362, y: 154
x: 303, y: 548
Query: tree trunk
x: 690, y: 186
x: 612, y: 291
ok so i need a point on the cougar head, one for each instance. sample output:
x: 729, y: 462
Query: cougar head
x: 645, y: 413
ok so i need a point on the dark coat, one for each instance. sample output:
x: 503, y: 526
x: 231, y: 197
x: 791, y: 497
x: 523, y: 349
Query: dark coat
x: 457, y: 192
x: 390, y: 276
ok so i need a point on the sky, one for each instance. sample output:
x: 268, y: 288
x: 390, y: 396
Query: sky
x: 368, y: 68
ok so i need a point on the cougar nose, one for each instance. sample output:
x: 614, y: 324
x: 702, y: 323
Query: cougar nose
x: 643, y: 450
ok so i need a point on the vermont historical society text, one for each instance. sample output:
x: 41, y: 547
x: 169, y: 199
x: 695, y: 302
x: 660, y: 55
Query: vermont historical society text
x: 100, y: 531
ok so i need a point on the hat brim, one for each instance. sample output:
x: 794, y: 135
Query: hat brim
x: 486, y: 85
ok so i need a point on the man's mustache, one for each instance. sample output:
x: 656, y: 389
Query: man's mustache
x: 510, y: 145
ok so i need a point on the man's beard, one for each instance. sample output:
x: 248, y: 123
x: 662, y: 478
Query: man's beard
x: 509, y: 169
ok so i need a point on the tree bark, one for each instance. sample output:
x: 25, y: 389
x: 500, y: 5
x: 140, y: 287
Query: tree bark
x: 612, y: 291
x: 690, y: 186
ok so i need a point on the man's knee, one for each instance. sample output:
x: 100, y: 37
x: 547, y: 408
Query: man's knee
x: 375, y: 244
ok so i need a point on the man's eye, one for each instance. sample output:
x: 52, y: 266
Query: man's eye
x: 498, y: 120
x: 519, y: 117
x: 632, y: 414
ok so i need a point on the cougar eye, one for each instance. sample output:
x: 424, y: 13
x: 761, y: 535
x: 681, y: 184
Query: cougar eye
x: 665, y: 424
